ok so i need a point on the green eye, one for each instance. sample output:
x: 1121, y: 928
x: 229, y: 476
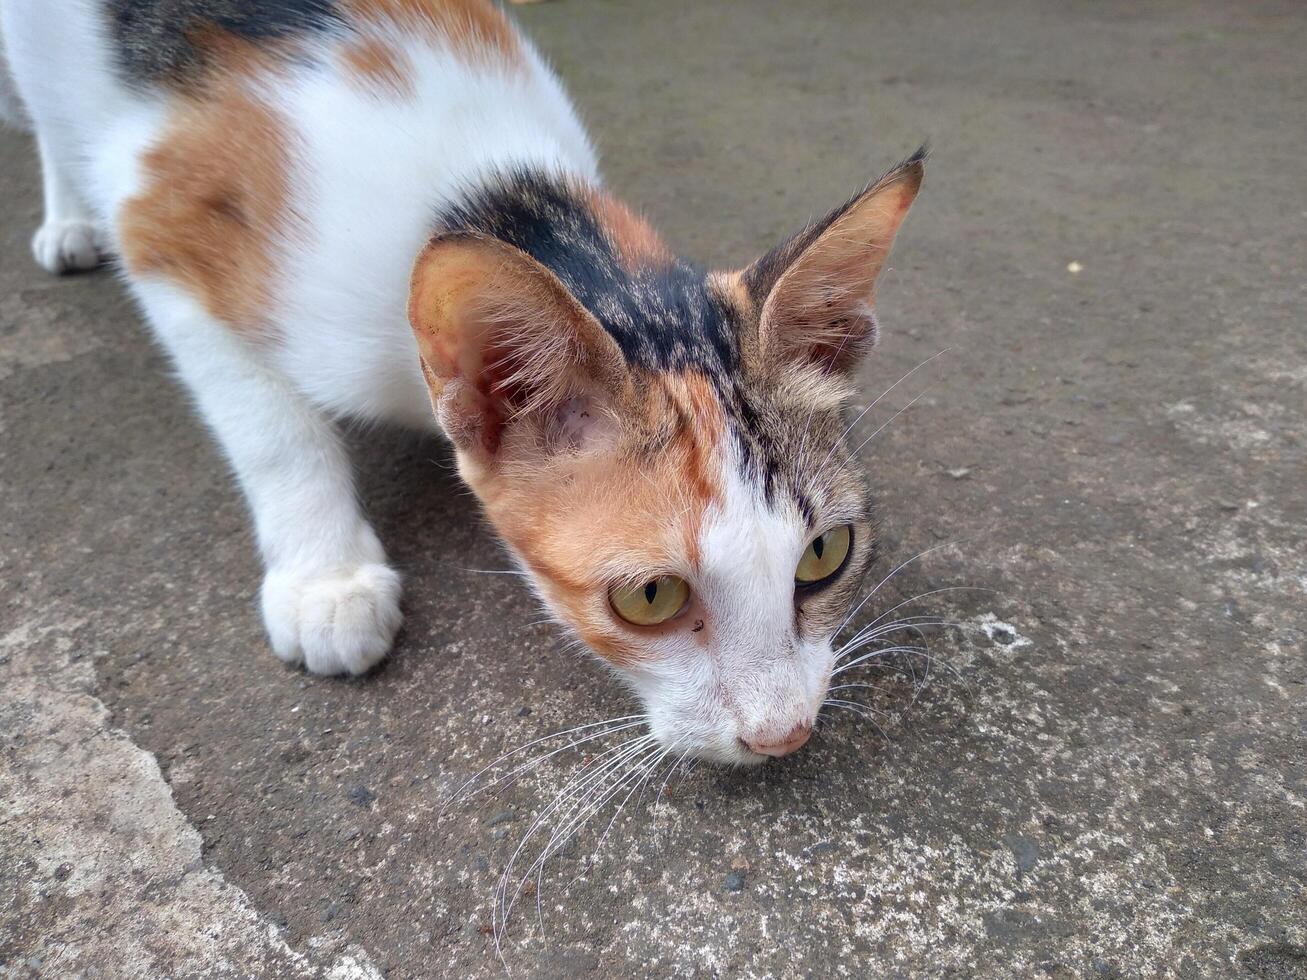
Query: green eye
x: 825, y: 555
x: 652, y: 603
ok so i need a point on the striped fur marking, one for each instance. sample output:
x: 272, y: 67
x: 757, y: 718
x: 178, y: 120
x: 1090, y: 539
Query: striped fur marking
x: 635, y: 242
x: 662, y: 314
x: 165, y: 41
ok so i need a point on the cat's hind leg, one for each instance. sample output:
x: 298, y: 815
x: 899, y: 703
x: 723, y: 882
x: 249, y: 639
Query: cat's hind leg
x: 330, y: 600
x: 68, y: 238
x: 53, y: 76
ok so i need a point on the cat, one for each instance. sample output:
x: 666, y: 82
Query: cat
x: 389, y: 210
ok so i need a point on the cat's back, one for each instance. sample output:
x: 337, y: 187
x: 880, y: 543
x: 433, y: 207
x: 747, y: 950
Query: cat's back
x: 392, y: 87
x: 162, y: 41
x: 177, y: 43
x: 401, y: 99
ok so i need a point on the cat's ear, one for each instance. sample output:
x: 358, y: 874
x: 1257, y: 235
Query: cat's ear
x: 502, y: 340
x: 816, y: 291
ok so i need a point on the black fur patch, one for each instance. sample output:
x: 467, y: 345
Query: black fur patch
x: 663, y: 319
x: 156, y: 40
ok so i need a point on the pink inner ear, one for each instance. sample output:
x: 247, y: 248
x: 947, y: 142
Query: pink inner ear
x: 503, y: 343
x: 824, y: 320
x: 579, y: 424
x: 467, y: 417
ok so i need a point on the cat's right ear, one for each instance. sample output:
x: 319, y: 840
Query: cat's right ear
x: 816, y: 292
x: 502, y: 340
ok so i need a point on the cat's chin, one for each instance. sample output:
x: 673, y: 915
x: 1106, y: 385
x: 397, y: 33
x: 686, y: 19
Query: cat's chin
x: 730, y: 753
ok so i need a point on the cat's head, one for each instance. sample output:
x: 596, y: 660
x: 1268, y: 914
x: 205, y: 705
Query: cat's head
x: 662, y: 448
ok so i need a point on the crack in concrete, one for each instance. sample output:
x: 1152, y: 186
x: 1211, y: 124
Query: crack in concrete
x: 105, y: 873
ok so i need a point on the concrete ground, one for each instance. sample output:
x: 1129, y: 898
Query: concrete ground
x: 1105, y: 774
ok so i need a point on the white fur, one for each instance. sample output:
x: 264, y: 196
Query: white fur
x: 758, y: 679
x: 329, y: 599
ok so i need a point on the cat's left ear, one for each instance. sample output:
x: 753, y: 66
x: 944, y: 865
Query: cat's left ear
x: 816, y: 291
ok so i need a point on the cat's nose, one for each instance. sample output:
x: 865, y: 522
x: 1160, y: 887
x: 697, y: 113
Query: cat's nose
x: 792, y: 742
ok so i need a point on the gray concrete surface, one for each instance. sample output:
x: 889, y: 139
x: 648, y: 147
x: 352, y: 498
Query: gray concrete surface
x: 1115, y: 785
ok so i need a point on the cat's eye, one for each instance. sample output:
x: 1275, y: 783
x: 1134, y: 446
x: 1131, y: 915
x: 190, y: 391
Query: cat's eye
x: 652, y: 602
x: 824, y: 556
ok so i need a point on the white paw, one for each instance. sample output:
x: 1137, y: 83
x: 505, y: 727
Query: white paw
x: 338, y: 622
x: 63, y: 245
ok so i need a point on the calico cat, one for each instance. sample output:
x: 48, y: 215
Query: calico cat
x: 388, y: 210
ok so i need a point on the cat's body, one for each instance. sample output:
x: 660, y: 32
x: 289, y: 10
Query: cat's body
x: 359, y: 175
x: 267, y: 174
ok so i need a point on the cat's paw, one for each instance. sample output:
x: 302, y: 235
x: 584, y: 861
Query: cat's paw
x: 339, y: 622
x: 62, y: 245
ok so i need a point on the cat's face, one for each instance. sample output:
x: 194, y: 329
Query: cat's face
x: 669, y: 465
x: 710, y: 565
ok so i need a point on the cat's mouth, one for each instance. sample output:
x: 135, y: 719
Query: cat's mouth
x: 796, y: 739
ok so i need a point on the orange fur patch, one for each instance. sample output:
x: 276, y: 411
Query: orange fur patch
x: 378, y: 67
x: 731, y: 286
x: 636, y: 510
x: 214, y: 203
x: 475, y: 29
x: 699, y: 449
x: 637, y: 243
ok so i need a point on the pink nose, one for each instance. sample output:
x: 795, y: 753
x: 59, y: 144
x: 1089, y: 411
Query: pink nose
x: 792, y: 742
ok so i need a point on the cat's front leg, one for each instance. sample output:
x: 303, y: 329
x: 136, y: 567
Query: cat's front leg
x: 334, y: 618
x: 329, y: 599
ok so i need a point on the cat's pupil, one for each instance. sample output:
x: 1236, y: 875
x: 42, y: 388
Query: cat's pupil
x: 819, y: 546
x: 650, y: 591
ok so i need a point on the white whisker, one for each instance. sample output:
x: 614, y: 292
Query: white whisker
x: 593, y: 772
x: 925, y: 595
x: 848, y: 687
x: 911, y: 625
x: 650, y: 767
x: 671, y: 770
x: 598, y: 791
x: 521, y: 770
x: 623, y: 723
x: 862, y: 445
x: 877, y: 401
x: 857, y: 709
x: 899, y: 568
x: 873, y: 654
